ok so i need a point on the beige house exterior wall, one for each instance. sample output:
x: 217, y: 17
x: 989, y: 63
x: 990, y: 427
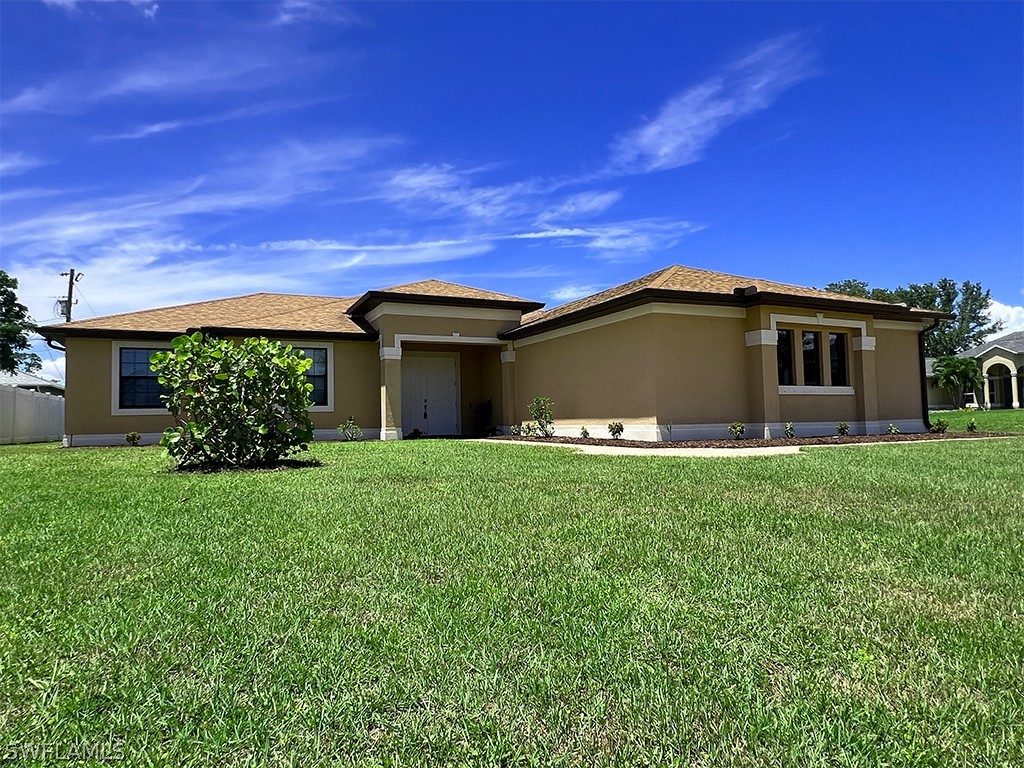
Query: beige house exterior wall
x: 594, y: 376
x: 899, y: 379
x: 89, y: 398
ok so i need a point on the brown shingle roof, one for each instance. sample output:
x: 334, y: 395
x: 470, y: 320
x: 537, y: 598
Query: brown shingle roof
x: 442, y: 289
x: 440, y: 292
x: 688, y: 280
x: 286, y: 313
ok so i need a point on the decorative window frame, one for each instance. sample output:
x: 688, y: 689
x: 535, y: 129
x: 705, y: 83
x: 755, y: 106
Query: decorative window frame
x: 825, y: 325
x: 115, y: 377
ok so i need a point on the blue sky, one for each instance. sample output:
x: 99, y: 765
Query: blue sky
x: 175, y: 151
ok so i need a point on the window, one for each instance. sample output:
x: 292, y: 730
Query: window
x: 317, y: 373
x: 138, y: 387
x: 812, y: 358
x: 837, y: 359
x: 785, y: 350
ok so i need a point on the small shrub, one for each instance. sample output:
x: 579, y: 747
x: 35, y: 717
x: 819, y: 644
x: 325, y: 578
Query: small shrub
x: 529, y: 429
x: 416, y: 434
x: 790, y: 429
x: 892, y: 429
x: 584, y: 432
x: 939, y: 426
x: 842, y: 429
x: 350, y: 431
x: 736, y: 429
x: 615, y: 429
x: 972, y: 426
x: 540, y: 410
x: 132, y: 438
x: 515, y: 430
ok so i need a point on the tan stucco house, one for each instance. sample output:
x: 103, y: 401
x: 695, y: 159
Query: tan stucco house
x: 678, y: 354
x: 1001, y: 361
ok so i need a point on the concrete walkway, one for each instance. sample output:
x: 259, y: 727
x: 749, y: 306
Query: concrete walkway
x: 614, y: 450
x: 718, y: 453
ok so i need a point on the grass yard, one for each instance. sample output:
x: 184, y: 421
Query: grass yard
x: 436, y: 602
x: 1006, y: 420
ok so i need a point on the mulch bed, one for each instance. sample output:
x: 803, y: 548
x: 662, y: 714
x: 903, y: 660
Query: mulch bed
x: 758, y: 442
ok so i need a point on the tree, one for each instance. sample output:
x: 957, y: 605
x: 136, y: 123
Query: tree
x: 235, y: 405
x: 957, y: 375
x: 15, y: 326
x: 969, y: 302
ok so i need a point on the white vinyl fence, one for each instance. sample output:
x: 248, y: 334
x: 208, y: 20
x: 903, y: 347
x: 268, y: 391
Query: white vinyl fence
x: 30, y: 417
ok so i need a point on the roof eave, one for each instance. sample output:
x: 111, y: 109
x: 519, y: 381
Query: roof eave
x: 646, y: 295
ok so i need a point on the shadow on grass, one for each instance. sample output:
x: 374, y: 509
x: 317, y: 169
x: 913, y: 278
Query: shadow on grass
x: 278, y: 465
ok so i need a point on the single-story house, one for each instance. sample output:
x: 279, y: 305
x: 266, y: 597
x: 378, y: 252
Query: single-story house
x: 677, y: 354
x: 33, y: 383
x: 1002, y: 374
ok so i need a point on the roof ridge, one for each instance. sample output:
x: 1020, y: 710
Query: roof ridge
x: 663, y: 275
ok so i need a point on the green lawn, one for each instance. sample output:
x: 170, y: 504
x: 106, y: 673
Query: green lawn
x: 1008, y: 420
x: 437, y: 602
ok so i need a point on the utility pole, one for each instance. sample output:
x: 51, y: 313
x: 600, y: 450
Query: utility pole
x: 66, y: 304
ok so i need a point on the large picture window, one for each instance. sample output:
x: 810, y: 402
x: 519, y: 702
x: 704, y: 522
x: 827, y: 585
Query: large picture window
x: 317, y: 374
x: 138, y: 387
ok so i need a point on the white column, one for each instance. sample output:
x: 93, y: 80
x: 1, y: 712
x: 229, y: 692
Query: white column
x: 988, y: 396
x: 1015, y: 385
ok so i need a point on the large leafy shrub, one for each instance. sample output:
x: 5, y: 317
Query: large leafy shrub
x: 235, y: 405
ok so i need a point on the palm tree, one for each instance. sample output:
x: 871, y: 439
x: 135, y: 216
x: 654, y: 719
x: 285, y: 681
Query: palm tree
x: 957, y: 375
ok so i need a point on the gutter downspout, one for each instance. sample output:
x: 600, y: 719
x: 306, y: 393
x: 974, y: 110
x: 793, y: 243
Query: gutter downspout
x: 55, y: 345
x: 924, y: 378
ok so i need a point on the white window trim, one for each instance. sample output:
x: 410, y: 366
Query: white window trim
x: 446, y: 310
x: 329, y: 408
x: 115, y: 378
x: 817, y: 319
x: 793, y: 389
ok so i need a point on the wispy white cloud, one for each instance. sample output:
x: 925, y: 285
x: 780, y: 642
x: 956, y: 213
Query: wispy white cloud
x: 241, y: 113
x: 191, y: 73
x: 1012, y: 316
x: 444, y: 190
x: 688, y: 122
x: 572, y: 291
x: 260, y: 180
x: 13, y: 163
x: 147, y: 8
x: 581, y: 205
x: 315, y: 11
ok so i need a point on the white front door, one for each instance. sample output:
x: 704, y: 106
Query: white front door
x: 430, y: 394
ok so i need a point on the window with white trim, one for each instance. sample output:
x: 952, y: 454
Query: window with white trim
x: 317, y: 374
x: 802, y: 359
x: 137, y: 383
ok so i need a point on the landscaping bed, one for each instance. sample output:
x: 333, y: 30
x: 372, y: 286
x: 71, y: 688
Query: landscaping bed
x: 755, y: 442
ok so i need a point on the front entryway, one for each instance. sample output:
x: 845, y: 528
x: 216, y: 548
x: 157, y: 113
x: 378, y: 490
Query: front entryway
x: 430, y: 393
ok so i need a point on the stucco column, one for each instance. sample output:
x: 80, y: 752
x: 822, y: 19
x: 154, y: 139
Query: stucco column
x: 865, y: 382
x: 508, y: 388
x: 1015, y: 387
x: 391, y: 393
x: 763, y: 378
x: 987, y: 388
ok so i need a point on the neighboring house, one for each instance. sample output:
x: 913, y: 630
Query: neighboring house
x: 678, y: 354
x: 1002, y: 366
x: 23, y: 380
